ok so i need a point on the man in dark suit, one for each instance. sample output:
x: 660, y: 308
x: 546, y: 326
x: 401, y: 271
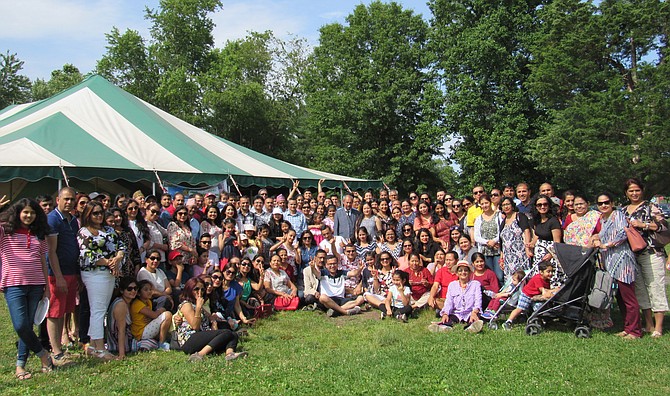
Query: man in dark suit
x: 345, y: 219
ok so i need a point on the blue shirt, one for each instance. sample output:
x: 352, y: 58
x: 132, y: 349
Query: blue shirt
x: 67, y: 248
x: 298, y: 222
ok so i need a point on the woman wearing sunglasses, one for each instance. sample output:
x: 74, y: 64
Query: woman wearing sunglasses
x: 119, y: 337
x: 157, y: 233
x: 251, y: 282
x: 196, y: 334
x: 101, y: 253
x: 180, y: 237
x: 162, y: 290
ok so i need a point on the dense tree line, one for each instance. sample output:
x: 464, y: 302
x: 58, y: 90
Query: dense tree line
x: 563, y: 90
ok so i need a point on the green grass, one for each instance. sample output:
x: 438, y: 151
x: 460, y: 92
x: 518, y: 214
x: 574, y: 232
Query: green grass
x: 307, y: 353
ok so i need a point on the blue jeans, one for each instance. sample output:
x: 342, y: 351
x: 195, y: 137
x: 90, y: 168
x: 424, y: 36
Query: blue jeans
x: 493, y: 265
x: 22, y: 303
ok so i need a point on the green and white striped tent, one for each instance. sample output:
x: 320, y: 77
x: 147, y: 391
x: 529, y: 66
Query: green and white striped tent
x: 97, y: 131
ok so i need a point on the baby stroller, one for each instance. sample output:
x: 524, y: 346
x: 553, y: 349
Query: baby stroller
x: 569, y: 303
x: 508, y: 305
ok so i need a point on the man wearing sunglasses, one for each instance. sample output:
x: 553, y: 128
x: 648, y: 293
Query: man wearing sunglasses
x: 474, y: 211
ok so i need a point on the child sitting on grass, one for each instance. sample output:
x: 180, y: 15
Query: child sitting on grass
x: 537, y: 289
x: 398, y: 297
x: 507, y: 291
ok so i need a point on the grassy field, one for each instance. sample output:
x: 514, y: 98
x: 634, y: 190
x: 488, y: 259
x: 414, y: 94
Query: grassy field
x: 307, y: 353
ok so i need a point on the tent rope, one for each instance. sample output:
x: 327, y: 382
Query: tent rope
x: 160, y: 182
x: 62, y: 169
x: 235, y: 184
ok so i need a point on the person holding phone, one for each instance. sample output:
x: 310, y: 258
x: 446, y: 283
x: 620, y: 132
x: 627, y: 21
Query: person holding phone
x: 197, y: 334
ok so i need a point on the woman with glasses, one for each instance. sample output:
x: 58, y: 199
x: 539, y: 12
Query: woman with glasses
x: 308, y: 248
x: 180, y: 237
x: 460, y: 213
x: 157, y: 233
x: 81, y: 199
x: 119, y: 337
x: 546, y: 231
x: 467, y: 203
x: 620, y: 263
x: 407, y: 218
x: 378, y: 277
x: 407, y: 251
x: 196, y: 334
x: 390, y: 244
x: 101, y: 253
x: 515, y: 238
x: 212, y: 225
x: 139, y: 228
x: 119, y: 221
x: 162, y: 290
x: 252, y: 284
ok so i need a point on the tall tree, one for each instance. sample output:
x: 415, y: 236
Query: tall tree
x: 14, y: 87
x: 372, y: 104
x: 482, y: 52
x: 129, y: 63
x: 60, y: 80
x: 600, y: 72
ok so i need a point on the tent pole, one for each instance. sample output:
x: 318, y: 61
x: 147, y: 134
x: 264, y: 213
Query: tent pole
x: 153, y: 189
x: 60, y: 184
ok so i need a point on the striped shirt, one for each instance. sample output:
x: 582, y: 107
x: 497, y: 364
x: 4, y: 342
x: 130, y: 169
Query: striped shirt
x: 21, y: 254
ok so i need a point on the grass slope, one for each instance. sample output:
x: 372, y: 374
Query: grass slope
x: 307, y: 353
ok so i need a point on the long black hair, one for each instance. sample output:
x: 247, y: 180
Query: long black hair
x: 11, y: 218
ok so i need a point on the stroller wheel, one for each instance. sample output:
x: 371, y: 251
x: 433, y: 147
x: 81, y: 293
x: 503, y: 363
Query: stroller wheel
x: 582, y: 332
x: 493, y: 325
x: 533, y: 329
x: 537, y: 321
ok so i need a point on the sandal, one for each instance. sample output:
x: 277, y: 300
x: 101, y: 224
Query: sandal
x: 622, y: 334
x: 236, y: 355
x: 23, y: 375
x: 656, y: 334
x: 49, y: 367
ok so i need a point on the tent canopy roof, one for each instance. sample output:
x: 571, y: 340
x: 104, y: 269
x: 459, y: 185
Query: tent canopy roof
x: 97, y: 130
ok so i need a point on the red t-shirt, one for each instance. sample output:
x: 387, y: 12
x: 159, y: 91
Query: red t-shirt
x: 533, y: 286
x: 417, y: 284
x: 488, y: 280
x: 21, y: 254
x: 444, y: 277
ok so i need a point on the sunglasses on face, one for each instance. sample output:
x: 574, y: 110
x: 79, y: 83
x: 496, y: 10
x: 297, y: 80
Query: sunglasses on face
x: 456, y: 206
x: 96, y: 213
x: 206, y: 242
x: 604, y: 203
x: 245, y: 264
x: 131, y: 288
x: 153, y: 258
x: 478, y: 192
x: 216, y: 277
x: 181, y: 213
x: 542, y: 204
x: 495, y: 195
x: 131, y: 208
x: 208, y: 284
x: 154, y: 211
x: 229, y: 272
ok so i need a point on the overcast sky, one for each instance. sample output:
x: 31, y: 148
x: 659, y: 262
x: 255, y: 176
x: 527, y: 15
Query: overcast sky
x: 46, y: 34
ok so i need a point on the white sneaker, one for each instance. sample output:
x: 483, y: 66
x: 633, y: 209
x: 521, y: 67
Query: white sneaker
x: 354, y: 311
x: 475, y: 327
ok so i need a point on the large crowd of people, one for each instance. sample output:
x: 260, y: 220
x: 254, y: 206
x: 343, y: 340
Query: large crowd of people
x: 132, y: 272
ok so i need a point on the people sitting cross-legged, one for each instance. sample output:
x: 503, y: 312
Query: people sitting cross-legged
x: 463, y: 302
x: 332, y: 289
x: 311, y: 278
x: 278, y: 283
